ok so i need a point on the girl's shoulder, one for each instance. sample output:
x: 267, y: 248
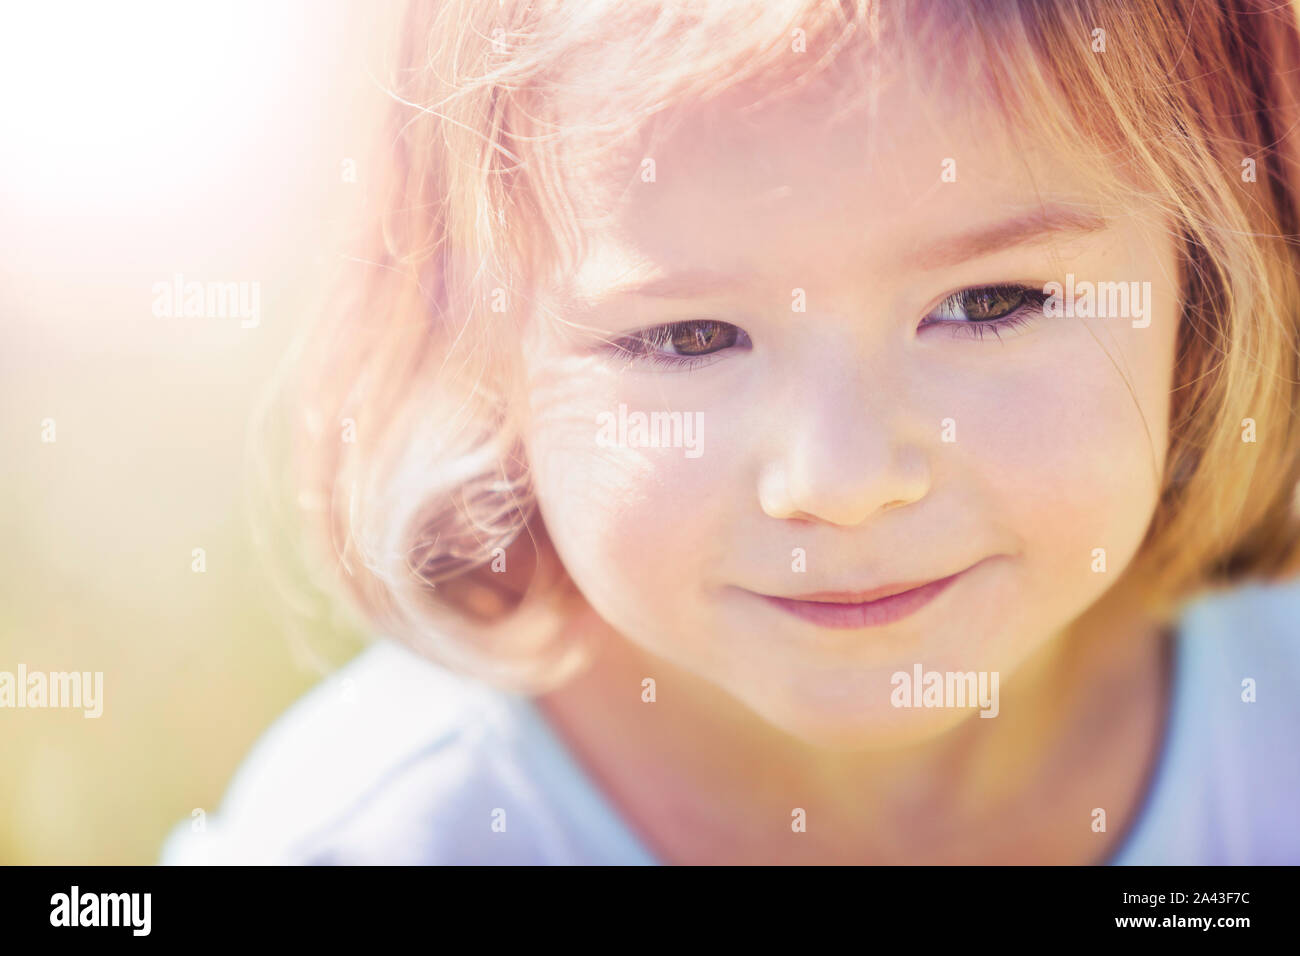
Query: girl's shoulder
x: 394, y: 759
x: 1227, y: 786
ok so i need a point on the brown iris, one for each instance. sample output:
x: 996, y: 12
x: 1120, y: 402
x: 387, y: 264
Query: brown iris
x: 991, y: 302
x: 698, y: 337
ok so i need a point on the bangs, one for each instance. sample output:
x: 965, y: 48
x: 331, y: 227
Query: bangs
x: 590, y: 88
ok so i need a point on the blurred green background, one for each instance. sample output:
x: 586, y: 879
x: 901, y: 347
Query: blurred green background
x: 140, y: 142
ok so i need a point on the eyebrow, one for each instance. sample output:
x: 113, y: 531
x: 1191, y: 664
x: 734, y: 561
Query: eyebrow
x: 685, y: 284
x: 1041, y: 225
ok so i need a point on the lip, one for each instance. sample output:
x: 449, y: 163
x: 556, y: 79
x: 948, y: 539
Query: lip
x: 858, y: 609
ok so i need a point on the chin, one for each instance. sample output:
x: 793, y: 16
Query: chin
x: 862, y: 730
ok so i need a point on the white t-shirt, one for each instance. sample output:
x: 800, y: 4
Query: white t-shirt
x: 395, y: 760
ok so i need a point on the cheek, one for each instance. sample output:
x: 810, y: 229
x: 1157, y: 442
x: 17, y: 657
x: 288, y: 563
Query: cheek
x: 631, y: 523
x: 1069, y: 451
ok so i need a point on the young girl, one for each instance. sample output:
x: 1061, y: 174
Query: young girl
x: 812, y: 432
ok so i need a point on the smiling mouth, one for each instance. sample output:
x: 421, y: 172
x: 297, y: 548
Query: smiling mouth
x: 876, y: 608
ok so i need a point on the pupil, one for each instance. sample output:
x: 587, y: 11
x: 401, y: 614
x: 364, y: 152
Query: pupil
x: 993, y: 303
x: 695, y: 337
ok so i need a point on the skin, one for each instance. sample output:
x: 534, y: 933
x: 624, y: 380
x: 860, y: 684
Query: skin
x: 826, y: 434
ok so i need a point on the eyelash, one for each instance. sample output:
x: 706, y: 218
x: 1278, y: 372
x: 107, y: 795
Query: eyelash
x: 1019, y: 316
x: 644, y: 345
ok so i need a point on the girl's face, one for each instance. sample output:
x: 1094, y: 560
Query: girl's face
x: 855, y: 392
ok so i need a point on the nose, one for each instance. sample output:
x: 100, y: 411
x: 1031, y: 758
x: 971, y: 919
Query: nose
x: 841, y: 462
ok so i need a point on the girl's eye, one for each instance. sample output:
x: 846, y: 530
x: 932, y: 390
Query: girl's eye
x: 981, y: 309
x: 681, y: 344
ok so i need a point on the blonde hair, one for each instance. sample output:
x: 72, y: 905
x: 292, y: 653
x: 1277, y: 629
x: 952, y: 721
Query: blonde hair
x: 482, y: 155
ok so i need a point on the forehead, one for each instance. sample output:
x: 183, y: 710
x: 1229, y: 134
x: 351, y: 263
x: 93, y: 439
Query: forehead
x: 796, y: 190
